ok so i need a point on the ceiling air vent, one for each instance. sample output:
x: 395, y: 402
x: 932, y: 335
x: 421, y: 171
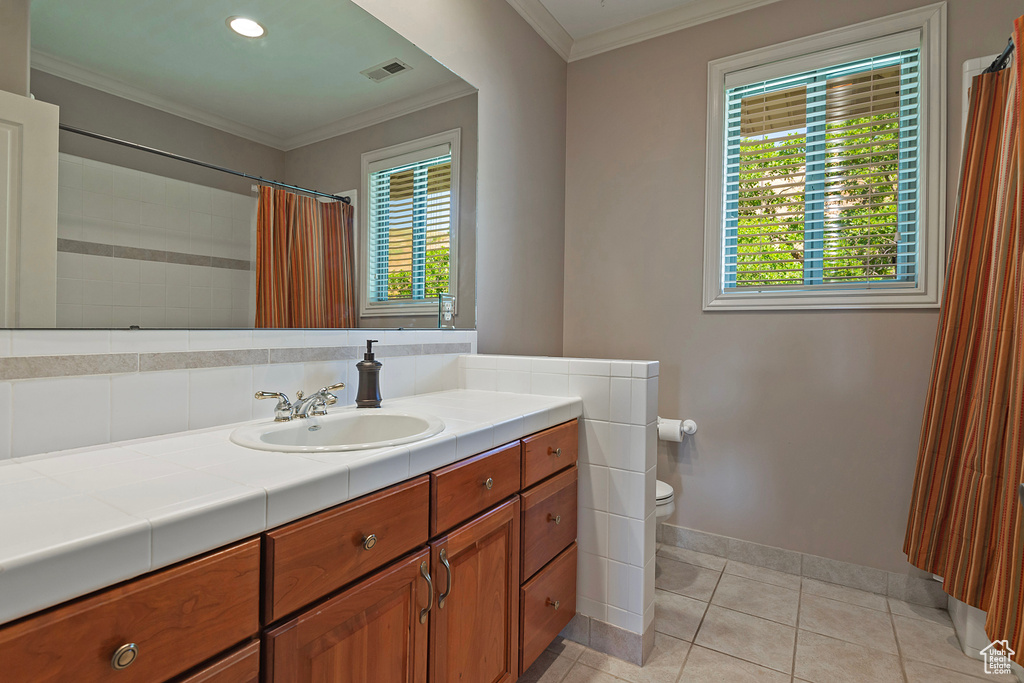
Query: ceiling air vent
x: 384, y: 71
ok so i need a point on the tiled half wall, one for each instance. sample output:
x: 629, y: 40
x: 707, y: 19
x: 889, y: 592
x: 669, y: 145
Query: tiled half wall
x: 62, y: 389
x: 617, y: 457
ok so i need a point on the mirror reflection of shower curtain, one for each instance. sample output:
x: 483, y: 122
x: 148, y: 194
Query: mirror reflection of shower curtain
x: 304, y: 261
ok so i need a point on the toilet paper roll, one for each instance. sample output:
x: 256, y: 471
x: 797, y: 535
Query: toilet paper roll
x: 670, y: 430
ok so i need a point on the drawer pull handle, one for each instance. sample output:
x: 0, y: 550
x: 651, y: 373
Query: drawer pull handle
x: 369, y: 542
x: 448, y: 568
x: 557, y: 519
x: 124, y: 656
x: 489, y: 483
x: 552, y: 603
x: 430, y: 587
x: 556, y: 451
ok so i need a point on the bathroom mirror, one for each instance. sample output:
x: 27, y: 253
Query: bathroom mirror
x: 327, y: 99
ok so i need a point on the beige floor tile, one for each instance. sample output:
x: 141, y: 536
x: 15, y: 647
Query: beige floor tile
x: 907, y: 609
x: 584, y: 674
x: 708, y: 666
x: 760, y: 599
x: 747, y: 637
x: 936, y: 644
x: 692, y: 557
x: 565, y: 647
x: 685, y: 579
x: 662, y: 666
x: 763, y: 574
x: 844, y: 594
x: 820, y: 659
x: 919, y: 672
x: 677, y: 615
x: 549, y: 667
x: 845, y: 621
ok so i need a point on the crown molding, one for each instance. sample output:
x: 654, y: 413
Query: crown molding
x: 92, y: 79
x: 72, y: 72
x: 691, y: 14
x: 544, y: 23
x: 380, y: 114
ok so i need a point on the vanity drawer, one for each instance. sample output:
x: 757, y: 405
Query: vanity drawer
x: 241, y: 666
x: 547, y: 603
x: 547, y: 452
x: 308, y: 559
x: 549, y: 520
x: 176, y: 618
x: 473, y: 485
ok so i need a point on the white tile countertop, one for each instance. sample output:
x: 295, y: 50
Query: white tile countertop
x: 75, y: 521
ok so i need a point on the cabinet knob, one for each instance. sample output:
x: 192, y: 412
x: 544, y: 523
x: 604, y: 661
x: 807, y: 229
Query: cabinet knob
x: 552, y: 603
x: 124, y: 656
x: 489, y: 483
x: 369, y: 542
x: 557, y: 519
x: 556, y: 451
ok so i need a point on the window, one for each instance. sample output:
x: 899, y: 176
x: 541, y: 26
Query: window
x: 825, y: 157
x: 410, y: 231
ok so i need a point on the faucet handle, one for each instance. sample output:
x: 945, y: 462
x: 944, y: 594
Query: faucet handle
x: 283, y: 409
x: 329, y: 398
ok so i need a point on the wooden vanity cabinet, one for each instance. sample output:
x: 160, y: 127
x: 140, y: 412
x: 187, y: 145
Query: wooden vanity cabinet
x: 240, y: 666
x: 155, y: 627
x: 374, y: 631
x: 310, y: 558
x: 474, y: 626
x: 549, y: 504
x: 449, y: 577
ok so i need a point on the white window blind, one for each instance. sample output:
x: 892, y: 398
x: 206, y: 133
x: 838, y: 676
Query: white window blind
x: 821, y: 178
x: 409, y: 235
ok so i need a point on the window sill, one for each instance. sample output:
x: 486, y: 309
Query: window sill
x: 806, y: 300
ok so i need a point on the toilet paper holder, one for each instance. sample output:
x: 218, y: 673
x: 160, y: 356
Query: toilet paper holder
x: 675, y: 430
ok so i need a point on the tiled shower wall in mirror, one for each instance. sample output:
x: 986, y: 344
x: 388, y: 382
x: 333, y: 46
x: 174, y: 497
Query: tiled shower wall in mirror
x: 135, y: 248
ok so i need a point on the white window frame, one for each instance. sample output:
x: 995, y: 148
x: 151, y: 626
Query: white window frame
x: 834, y: 47
x: 369, y: 308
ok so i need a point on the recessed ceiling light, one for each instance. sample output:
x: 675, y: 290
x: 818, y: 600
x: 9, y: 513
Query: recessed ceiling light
x: 246, y: 27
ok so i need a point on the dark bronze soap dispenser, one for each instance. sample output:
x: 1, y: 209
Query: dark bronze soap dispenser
x: 368, y: 395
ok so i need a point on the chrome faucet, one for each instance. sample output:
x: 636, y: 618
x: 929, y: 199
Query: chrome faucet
x: 283, y: 409
x: 305, y: 406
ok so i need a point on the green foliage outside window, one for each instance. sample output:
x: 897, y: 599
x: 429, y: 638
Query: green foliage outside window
x: 861, y: 182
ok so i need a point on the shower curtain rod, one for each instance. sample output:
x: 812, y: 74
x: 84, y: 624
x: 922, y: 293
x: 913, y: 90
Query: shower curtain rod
x: 178, y: 157
x: 1000, y: 62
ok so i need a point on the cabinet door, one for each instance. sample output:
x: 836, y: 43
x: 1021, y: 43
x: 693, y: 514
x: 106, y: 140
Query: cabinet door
x: 474, y: 630
x: 370, y: 632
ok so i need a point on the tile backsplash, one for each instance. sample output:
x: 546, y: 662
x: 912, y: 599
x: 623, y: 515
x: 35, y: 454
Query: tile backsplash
x: 617, y: 477
x: 62, y: 389
x: 139, y: 249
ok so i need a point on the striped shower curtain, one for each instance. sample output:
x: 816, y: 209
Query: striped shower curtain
x: 965, y: 516
x: 304, y: 262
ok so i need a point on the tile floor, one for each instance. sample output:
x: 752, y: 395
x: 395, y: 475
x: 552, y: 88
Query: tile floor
x: 720, y: 621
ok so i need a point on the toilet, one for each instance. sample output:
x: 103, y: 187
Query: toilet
x: 665, y: 503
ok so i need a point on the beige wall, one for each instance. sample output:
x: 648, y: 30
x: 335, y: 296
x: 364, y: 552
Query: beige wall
x: 521, y: 181
x: 334, y: 166
x: 809, y: 421
x: 100, y: 112
x: 14, y: 46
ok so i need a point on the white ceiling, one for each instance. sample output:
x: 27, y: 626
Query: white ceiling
x: 582, y: 28
x: 299, y: 80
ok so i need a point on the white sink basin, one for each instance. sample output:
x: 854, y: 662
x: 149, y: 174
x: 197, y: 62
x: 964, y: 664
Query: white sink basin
x: 346, y: 430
